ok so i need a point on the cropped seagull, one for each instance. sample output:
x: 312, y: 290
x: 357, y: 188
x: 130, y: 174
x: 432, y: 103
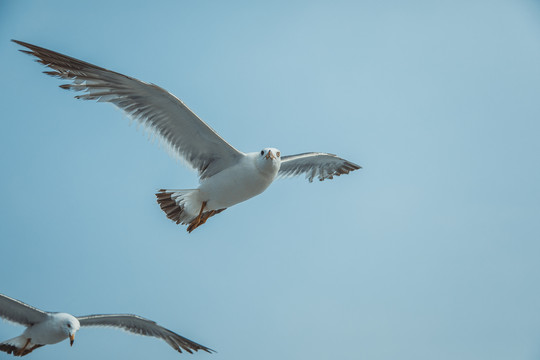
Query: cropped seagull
x: 227, y: 176
x: 45, y: 328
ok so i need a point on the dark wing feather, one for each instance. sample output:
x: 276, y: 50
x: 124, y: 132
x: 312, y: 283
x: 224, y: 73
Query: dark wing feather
x: 321, y: 165
x: 19, y: 312
x: 141, y: 326
x: 158, y: 110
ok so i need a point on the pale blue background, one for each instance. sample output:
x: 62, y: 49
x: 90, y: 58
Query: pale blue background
x: 429, y: 252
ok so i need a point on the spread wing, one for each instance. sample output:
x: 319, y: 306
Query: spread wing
x: 321, y: 165
x: 159, y: 111
x: 142, y: 326
x: 19, y: 312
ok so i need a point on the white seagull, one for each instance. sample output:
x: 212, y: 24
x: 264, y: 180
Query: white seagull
x: 45, y: 328
x: 227, y: 175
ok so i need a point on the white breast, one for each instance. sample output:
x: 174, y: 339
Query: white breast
x: 47, y: 332
x: 236, y: 184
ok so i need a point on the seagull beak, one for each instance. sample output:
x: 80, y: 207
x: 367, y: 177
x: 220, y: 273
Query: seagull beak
x: 71, y: 339
x: 270, y: 155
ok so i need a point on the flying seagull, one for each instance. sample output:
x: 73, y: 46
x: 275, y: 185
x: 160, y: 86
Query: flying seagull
x: 227, y: 175
x: 45, y: 328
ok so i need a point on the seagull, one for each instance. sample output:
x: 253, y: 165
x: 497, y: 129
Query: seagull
x: 45, y: 328
x: 227, y: 176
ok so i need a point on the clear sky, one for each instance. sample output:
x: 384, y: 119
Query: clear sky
x: 431, y: 251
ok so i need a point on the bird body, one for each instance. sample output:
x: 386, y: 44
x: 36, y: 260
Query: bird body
x: 56, y: 327
x: 227, y: 175
x: 248, y: 178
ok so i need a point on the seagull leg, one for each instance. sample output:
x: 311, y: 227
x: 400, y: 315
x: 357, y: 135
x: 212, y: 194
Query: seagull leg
x: 200, y: 212
x: 20, y: 352
x: 198, y: 220
x: 28, y: 351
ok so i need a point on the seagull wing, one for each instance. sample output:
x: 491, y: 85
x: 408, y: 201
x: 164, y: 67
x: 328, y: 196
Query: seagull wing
x: 321, y: 165
x: 159, y: 111
x: 142, y: 326
x: 19, y: 312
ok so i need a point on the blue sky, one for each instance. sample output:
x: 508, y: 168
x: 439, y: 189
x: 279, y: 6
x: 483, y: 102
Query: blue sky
x: 429, y: 252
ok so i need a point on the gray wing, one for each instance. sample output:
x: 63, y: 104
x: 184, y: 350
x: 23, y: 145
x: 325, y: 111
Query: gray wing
x: 321, y: 165
x: 19, y: 312
x: 142, y: 326
x: 159, y: 111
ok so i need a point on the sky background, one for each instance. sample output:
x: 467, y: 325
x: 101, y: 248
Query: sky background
x: 431, y: 251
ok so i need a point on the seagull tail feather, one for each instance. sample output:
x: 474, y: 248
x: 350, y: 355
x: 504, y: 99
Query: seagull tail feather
x: 173, y: 204
x: 18, y: 346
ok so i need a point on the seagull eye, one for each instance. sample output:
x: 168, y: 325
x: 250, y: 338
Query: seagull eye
x: 69, y: 325
x: 262, y: 152
x: 278, y: 154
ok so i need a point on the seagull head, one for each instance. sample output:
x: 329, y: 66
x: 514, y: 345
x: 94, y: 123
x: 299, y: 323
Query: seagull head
x: 269, y: 159
x: 69, y: 324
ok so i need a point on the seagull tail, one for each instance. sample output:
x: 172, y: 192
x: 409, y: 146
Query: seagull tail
x: 174, y: 203
x: 182, y: 207
x: 18, y: 346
